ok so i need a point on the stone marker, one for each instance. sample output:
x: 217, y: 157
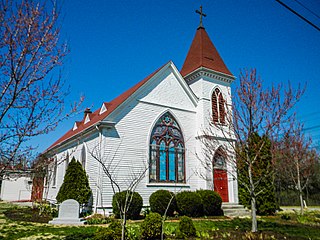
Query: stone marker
x: 68, y: 213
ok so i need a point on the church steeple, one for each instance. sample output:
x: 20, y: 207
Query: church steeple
x: 203, y: 53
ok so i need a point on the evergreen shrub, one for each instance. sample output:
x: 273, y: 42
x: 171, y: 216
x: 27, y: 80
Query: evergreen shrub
x: 160, y: 200
x: 189, y: 204
x: 112, y: 232
x: 75, y: 184
x: 151, y: 227
x: 186, y: 227
x: 266, y: 203
x: 119, y: 200
x: 211, y: 202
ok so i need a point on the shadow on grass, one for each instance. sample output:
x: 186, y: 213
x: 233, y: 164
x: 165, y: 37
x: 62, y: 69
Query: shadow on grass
x: 27, y: 215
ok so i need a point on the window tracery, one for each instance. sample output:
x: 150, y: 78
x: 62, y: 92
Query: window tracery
x: 167, y: 163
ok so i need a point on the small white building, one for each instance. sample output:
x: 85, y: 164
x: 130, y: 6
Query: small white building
x: 154, y: 127
x: 16, y: 186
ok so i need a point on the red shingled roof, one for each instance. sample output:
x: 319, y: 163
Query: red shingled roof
x: 95, y: 117
x: 203, y: 53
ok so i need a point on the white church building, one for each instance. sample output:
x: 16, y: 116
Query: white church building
x: 152, y: 131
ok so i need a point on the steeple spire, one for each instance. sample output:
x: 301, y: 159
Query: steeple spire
x: 201, y: 14
x: 203, y: 53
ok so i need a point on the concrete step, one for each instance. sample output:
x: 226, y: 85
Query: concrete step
x: 235, y: 210
x: 232, y: 206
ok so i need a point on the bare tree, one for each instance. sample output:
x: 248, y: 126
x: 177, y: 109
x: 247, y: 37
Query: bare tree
x: 254, y: 110
x: 31, y: 90
x: 110, y: 166
x: 295, y: 160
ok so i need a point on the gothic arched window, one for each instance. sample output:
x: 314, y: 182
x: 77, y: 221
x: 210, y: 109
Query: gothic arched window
x: 219, y: 159
x: 167, y: 163
x: 218, y: 107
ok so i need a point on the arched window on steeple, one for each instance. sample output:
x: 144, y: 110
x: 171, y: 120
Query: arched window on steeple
x: 218, y: 107
x: 166, y: 158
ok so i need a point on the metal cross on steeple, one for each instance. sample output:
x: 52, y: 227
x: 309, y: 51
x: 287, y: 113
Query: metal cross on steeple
x: 201, y: 14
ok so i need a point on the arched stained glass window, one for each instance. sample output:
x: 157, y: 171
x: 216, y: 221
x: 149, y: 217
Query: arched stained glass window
x: 218, y: 107
x: 167, y: 162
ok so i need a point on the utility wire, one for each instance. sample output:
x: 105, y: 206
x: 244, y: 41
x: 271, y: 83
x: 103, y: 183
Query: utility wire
x: 307, y: 8
x: 299, y: 15
x: 311, y: 128
x: 309, y: 114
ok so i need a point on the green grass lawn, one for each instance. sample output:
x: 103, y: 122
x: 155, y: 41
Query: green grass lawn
x: 15, y: 223
x: 18, y: 229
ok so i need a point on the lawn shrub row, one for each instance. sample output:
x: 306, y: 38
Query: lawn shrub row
x: 185, y: 203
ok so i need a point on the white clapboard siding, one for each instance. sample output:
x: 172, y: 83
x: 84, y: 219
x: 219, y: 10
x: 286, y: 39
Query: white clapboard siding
x: 124, y: 147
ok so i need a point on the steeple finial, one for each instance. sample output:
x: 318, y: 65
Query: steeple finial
x: 201, y: 14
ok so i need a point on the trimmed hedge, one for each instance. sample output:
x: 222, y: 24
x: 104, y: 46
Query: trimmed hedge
x: 151, y: 227
x: 211, y: 202
x: 189, y: 204
x: 135, y: 207
x: 159, y: 201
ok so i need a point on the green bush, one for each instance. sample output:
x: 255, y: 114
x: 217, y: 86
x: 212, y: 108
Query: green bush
x: 119, y: 200
x: 97, y: 219
x: 47, y: 209
x: 75, y: 184
x: 113, y: 232
x: 285, y: 216
x: 186, y: 227
x: 189, y: 204
x: 266, y: 204
x: 133, y: 232
x: 160, y: 200
x: 211, y: 202
x: 151, y: 226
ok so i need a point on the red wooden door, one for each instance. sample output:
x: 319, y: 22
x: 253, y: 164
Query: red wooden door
x: 220, y: 182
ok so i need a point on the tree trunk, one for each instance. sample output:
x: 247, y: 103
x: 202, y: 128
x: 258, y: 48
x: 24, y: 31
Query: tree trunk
x: 162, y: 229
x: 301, y: 203
x: 123, y: 231
x: 253, y: 202
x: 299, y: 187
x: 254, y: 227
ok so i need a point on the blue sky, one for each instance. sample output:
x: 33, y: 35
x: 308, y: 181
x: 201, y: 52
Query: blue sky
x: 115, y: 44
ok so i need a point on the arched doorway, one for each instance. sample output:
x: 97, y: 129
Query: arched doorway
x: 220, y: 176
